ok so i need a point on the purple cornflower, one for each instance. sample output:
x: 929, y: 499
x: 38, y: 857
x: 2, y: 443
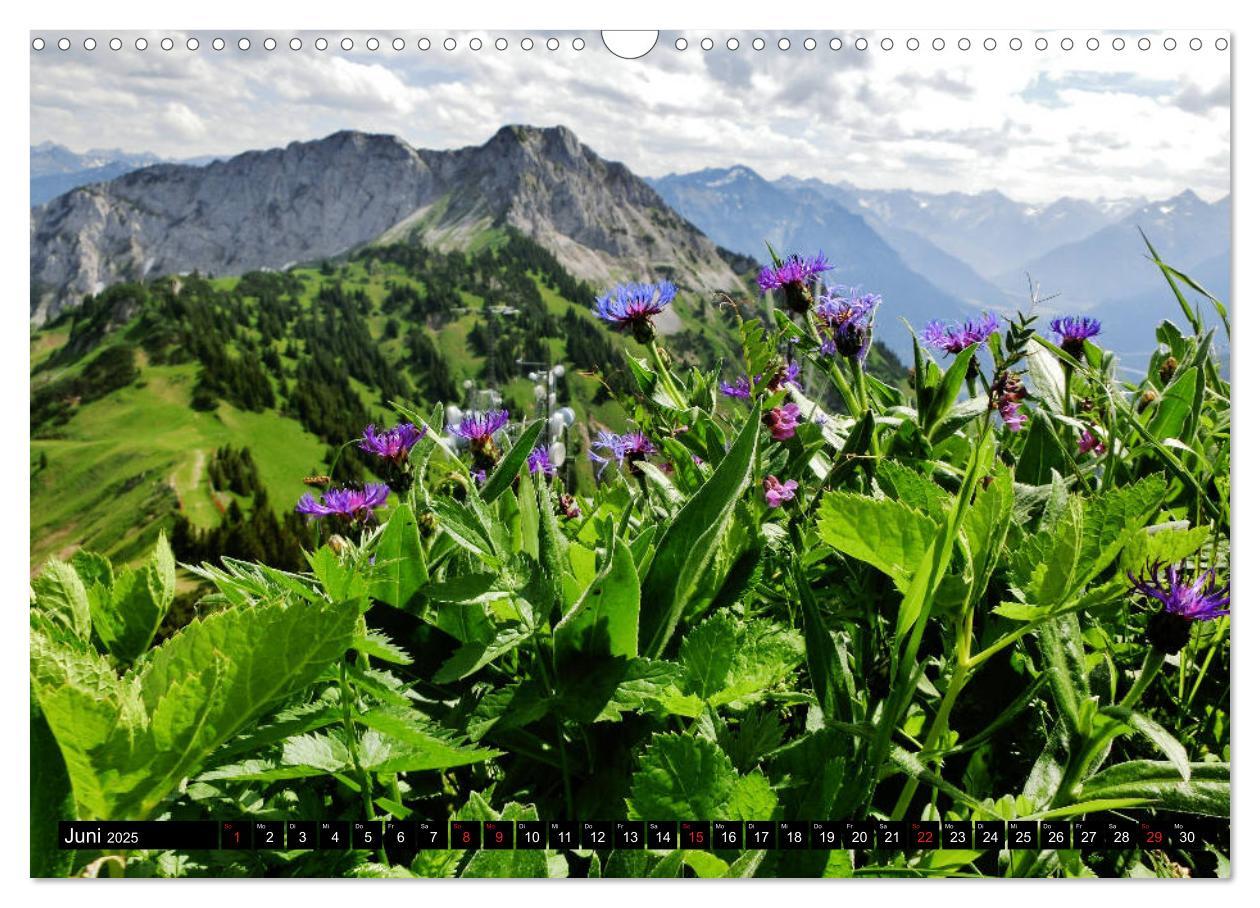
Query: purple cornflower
x: 479, y: 476
x: 778, y: 493
x: 629, y: 448
x: 479, y: 428
x: 956, y: 337
x: 795, y: 269
x: 794, y: 276
x: 782, y: 421
x: 1183, y: 603
x: 846, y: 323
x: 1200, y: 600
x: 1073, y: 331
x: 539, y: 461
x: 351, y: 504
x: 393, y: 444
x: 1089, y: 443
x: 742, y: 387
x: 631, y: 307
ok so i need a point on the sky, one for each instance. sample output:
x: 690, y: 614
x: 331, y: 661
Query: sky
x: 1034, y: 124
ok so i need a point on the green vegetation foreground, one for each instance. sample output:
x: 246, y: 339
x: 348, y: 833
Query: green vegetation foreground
x: 1001, y: 595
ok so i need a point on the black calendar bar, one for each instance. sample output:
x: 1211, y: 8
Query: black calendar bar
x: 1174, y: 832
x: 123, y: 835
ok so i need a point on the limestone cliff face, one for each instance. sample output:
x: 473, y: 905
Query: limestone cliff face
x: 312, y: 200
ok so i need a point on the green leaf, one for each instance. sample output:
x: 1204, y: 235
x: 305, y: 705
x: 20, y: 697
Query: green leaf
x: 1162, y: 786
x: 985, y: 527
x: 1175, y: 406
x: 1064, y: 652
x: 137, y: 603
x: 475, y: 654
x: 1045, y: 566
x: 128, y: 742
x: 605, y: 620
x: 1042, y: 455
x: 1111, y: 521
x: 827, y: 672
x: 726, y: 661
x: 883, y: 533
x: 945, y: 395
x: 1156, y: 734
x: 547, y: 586
x: 52, y: 800
x: 414, y: 745
x: 1049, y: 380
x: 911, y: 487
x: 464, y: 526
x: 707, y: 866
x: 60, y: 604
x: 680, y: 777
x: 400, y: 570
x: 708, y: 654
x: 752, y: 798
x: 689, y: 543
x: 510, y: 466
x: 378, y: 645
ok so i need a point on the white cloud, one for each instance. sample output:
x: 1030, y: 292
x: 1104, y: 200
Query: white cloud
x: 1034, y: 124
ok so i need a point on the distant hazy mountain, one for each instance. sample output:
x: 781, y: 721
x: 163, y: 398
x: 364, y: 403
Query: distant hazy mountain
x: 1129, y: 322
x: 56, y: 169
x: 986, y: 230
x: 1112, y: 263
x: 313, y: 200
x: 946, y: 272
x: 742, y: 211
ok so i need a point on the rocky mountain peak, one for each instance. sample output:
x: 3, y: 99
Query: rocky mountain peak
x: 316, y: 199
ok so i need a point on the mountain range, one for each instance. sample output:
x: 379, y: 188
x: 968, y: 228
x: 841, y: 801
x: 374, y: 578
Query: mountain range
x: 934, y: 255
x: 314, y: 200
x: 931, y: 255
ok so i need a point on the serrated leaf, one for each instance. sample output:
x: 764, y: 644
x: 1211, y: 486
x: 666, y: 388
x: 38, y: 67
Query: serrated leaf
x: 885, y: 533
x: 679, y: 777
x: 911, y: 487
x: 476, y: 654
x: 751, y: 798
x: 60, y: 604
x: 730, y: 661
x: 419, y: 745
x: 128, y: 618
x: 378, y: 645
x: 129, y: 741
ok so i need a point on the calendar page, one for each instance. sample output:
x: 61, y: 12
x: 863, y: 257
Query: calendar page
x: 673, y: 454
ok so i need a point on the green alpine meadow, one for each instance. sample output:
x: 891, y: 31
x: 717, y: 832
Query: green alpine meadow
x: 414, y: 536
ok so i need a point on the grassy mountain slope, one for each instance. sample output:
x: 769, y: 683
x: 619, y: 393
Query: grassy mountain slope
x: 136, y: 392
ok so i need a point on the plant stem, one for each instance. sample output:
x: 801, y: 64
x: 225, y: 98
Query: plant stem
x: 837, y: 376
x: 352, y: 744
x: 665, y: 377
x: 940, y: 724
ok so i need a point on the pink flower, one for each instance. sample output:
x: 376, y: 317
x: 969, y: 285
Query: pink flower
x: 777, y: 493
x: 782, y: 421
x: 1087, y: 443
